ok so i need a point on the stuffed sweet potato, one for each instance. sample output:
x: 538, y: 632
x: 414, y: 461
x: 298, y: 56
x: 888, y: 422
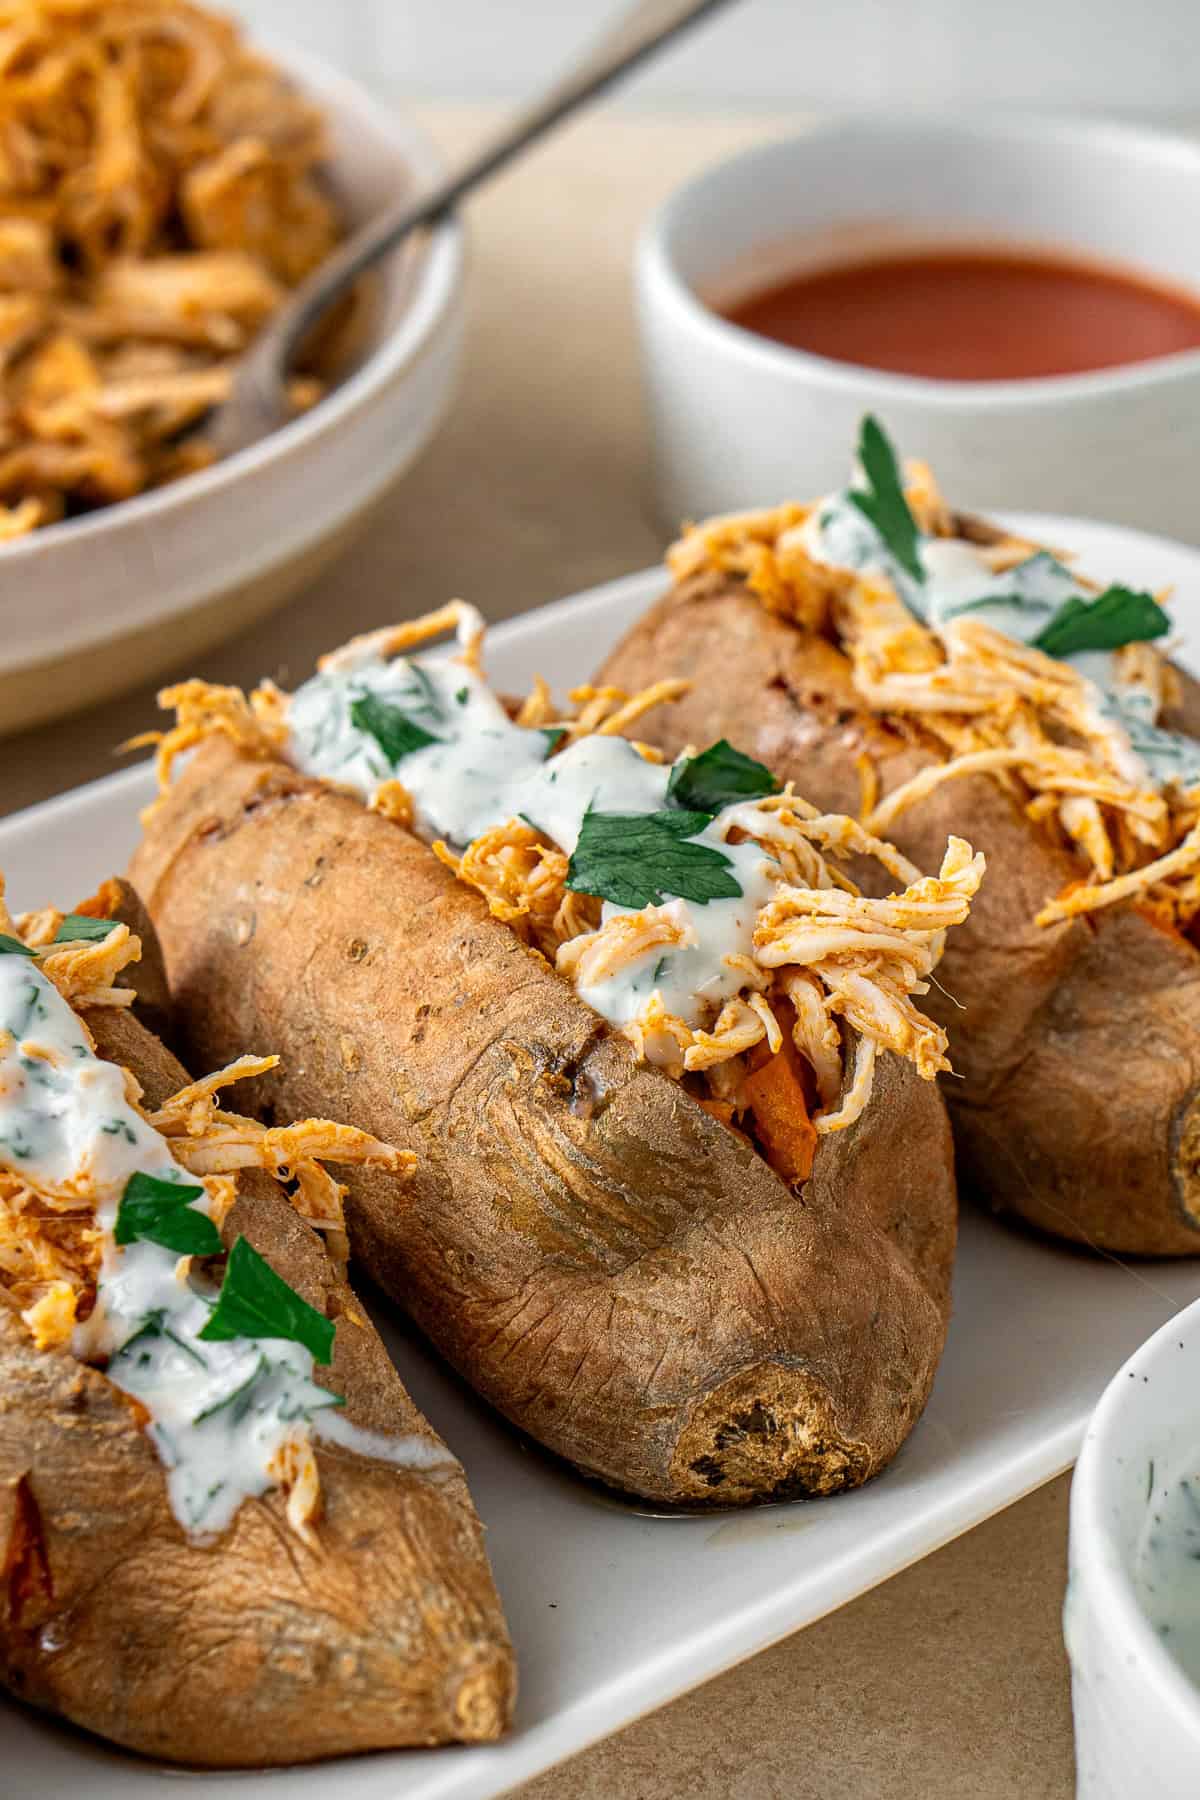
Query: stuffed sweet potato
x: 211, y: 1554
x: 936, y: 674
x: 696, y: 1242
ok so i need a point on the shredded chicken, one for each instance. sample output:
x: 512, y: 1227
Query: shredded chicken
x: 50, y: 1245
x: 983, y: 703
x: 159, y: 193
x: 823, y: 953
x: 823, y: 946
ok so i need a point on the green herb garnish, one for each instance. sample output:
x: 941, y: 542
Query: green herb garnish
x: 554, y: 735
x: 77, y: 928
x: 1118, y: 616
x: 884, y: 503
x: 462, y: 696
x: 255, y: 1302
x: 640, y: 859
x: 11, y: 946
x: 396, y: 734
x: 160, y: 1212
x: 719, y: 776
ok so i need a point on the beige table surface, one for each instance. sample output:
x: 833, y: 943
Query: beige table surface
x: 949, y: 1682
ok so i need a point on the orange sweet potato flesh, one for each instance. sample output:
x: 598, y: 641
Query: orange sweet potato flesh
x: 607, y: 1264
x: 1076, y: 1099
x: 256, y: 1649
x: 779, y: 1094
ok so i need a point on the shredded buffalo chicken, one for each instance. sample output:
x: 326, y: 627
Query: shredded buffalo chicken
x: 159, y: 193
x: 823, y: 953
x: 981, y: 702
x: 50, y: 1245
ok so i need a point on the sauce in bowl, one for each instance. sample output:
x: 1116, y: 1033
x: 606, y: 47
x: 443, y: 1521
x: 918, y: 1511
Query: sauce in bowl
x: 975, y: 315
x: 1168, y: 1565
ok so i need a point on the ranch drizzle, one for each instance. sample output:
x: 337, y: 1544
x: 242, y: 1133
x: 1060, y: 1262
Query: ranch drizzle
x: 484, y: 770
x: 1018, y: 602
x: 220, y: 1412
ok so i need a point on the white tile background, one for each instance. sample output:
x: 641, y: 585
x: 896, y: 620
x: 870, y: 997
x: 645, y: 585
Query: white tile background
x: 1133, y: 56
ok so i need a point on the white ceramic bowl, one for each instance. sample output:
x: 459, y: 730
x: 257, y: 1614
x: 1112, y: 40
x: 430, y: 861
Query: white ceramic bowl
x: 1137, y: 1714
x: 107, y: 600
x: 740, y: 421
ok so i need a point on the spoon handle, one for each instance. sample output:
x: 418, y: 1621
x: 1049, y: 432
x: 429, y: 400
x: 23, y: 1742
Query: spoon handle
x: 633, y: 37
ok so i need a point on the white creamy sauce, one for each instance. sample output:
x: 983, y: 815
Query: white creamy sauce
x: 484, y: 770
x: 1020, y: 602
x: 1167, y: 1568
x: 410, y: 1452
x: 219, y: 1412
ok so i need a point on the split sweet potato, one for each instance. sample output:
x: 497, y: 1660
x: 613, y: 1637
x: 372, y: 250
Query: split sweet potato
x: 258, y: 1648
x: 1076, y: 1097
x: 622, y: 1276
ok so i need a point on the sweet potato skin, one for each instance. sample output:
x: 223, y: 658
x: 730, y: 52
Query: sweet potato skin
x: 606, y: 1264
x: 255, y: 1649
x: 1076, y: 1102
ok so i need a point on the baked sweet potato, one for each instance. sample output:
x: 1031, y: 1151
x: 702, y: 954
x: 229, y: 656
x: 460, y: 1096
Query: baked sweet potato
x: 586, y: 1240
x: 376, y: 1626
x: 1076, y: 1096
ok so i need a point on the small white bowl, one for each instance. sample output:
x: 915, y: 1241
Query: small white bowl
x: 739, y: 420
x: 1137, y: 1713
x: 102, y: 602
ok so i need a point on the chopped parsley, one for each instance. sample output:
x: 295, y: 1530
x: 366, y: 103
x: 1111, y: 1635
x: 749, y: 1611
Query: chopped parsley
x: 255, y: 1302
x: 11, y: 946
x: 1118, y: 616
x: 160, y: 1212
x: 642, y: 859
x: 883, y: 503
x: 396, y: 734
x: 554, y: 735
x: 462, y: 696
x: 77, y: 928
x: 719, y: 776
x: 153, y: 1326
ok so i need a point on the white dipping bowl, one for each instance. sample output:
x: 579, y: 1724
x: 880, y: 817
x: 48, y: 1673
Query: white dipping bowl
x: 739, y: 420
x: 1137, y: 1714
x: 107, y: 600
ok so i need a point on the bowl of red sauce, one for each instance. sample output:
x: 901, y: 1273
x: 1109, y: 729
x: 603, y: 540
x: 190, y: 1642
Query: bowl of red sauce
x: 1019, y: 296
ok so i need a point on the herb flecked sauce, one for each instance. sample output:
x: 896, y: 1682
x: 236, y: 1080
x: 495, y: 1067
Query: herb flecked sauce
x: 484, y: 770
x: 219, y: 1411
x: 1019, y: 602
x: 1167, y: 1568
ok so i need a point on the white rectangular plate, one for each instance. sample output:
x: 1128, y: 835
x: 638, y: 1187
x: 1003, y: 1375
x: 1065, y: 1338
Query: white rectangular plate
x: 614, y: 1612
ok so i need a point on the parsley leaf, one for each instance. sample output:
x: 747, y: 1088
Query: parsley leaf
x: 640, y: 859
x: 396, y: 734
x: 1119, y: 615
x: 77, y: 928
x: 884, y: 503
x: 719, y: 776
x: 554, y: 735
x: 255, y: 1302
x: 11, y: 946
x: 160, y: 1212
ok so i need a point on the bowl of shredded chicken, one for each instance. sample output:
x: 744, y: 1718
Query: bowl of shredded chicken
x: 164, y: 185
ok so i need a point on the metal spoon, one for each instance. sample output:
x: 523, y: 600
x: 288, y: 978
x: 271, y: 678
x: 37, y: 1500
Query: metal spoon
x: 257, y: 401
